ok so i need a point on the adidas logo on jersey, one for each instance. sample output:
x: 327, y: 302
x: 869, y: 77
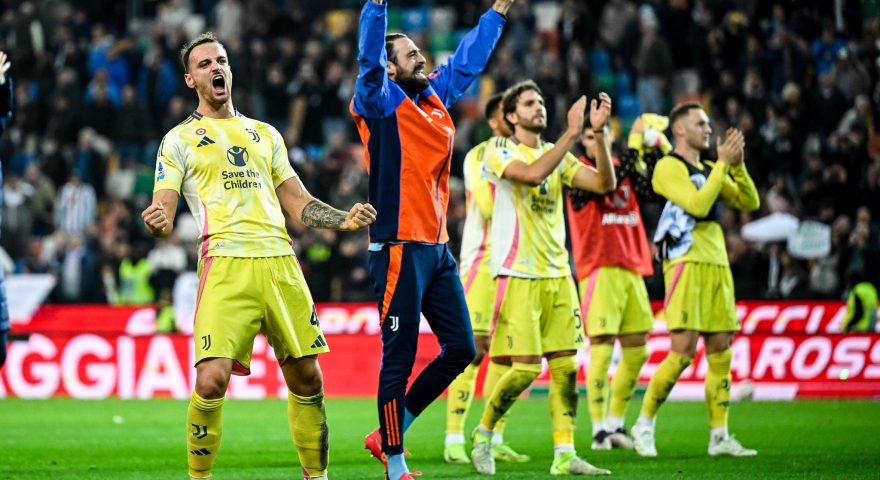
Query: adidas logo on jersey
x: 319, y: 342
x: 206, y: 140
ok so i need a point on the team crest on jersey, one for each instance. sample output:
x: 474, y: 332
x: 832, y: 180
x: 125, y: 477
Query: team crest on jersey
x: 255, y: 136
x: 237, y: 156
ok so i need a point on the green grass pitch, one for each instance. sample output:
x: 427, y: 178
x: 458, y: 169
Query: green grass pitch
x: 115, y: 439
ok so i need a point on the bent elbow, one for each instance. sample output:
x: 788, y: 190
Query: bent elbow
x: 700, y: 212
x: 525, y: 178
x: 533, y: 181
x: 609, y: 186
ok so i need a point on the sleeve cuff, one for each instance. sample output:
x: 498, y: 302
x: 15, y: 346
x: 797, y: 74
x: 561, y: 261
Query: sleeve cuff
x: 499, y: 15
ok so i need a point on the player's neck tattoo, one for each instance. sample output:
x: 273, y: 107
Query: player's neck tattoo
x: 318, y: 214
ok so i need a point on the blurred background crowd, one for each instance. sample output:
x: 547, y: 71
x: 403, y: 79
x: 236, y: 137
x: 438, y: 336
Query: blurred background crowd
x: 99, y: 82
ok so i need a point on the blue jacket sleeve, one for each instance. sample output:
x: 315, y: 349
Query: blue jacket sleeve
x: 456, y: 75
x: 5, y: 104
x: 371, y: 89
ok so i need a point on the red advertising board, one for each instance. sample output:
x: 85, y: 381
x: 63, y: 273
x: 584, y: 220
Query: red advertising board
x: 97, y: 366
x: 786, y: 350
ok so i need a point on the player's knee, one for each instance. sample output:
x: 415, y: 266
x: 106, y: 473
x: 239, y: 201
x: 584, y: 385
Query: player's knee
x: 478, y: 357
x: 308, y: 384
x: 482, y: 348
x: 526, y: 372
x: 211, y: 386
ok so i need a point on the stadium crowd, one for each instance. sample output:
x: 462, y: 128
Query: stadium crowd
x: 96, y: 86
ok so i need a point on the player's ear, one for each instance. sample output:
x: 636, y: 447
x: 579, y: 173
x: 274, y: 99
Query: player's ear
x: 511, y: 117
x: 677, y: 129
x: 391, y: 70
x: 190, y: 82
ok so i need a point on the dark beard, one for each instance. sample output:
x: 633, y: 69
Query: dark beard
x: 533, y: 127
x: 412, y: 83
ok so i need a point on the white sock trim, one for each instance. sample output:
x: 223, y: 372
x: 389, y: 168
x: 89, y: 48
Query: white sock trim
x: 497, y: 438
x: 454, y: 438
x: 562, y: 448
x: 645, y: 421
x: 613, y: 423
x: 718, y: 433
x: 598, y: 427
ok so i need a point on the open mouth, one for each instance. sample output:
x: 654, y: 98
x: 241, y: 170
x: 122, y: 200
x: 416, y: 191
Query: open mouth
x: 219, y: 84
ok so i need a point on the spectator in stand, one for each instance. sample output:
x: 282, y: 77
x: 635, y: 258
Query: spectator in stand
x: 18, y: 217
x: 43, y: 200
x: 827, y: 107
x: 654, y: 65
x: 76, y: 206
x: 133, y: 127
x: 826, y: 48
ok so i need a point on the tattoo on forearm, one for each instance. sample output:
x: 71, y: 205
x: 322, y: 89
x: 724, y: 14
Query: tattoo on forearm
x: 318, y: 214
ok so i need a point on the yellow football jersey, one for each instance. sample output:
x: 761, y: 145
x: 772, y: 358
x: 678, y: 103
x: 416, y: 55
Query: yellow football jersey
x: 475, y: 239
x: 528, y: 229
x: 227, y: 170
x: 731, y: 185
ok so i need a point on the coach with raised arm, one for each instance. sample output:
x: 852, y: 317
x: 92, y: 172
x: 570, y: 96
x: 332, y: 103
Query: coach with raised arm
x: 402, y: 117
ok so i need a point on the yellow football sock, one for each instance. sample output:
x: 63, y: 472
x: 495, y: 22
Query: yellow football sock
x: 493, y: 374
x: 308, y: 427
x: 563, y: 398
x: 662, y: 382
x: 625, y: 378
x: 718, y: 387
x: 597, y: 379
x: 203, y: 431
x: 507, y: 391
x: 458, y: 401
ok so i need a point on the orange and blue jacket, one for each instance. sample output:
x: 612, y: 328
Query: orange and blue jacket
x: 409, y: 136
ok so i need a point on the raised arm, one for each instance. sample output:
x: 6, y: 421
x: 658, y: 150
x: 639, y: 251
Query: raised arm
x: 451, y: 79
x: 297, y: 203
x: 535, y: 173
x: 601, y: 179
x: 672, y: 181
x: 739, y: 189
x: 371, y: 89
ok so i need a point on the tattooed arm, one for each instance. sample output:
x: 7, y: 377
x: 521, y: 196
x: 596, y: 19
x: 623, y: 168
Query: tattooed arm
x: 297, y: 203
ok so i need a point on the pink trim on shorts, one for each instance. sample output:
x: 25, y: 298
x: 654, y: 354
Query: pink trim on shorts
x: 500, y: 290
x: 588, y: 296
x: 202, y: 281
x: 205, y: 237
x: 481, y: 252
x: 511, y: 254
x: 675, y: 277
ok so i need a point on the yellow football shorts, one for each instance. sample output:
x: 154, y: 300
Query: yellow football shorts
x: 239, y: 297
x: 699, y: 297
x: 479, y: 293
x: 614, y: 301
x: 537, y: 316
